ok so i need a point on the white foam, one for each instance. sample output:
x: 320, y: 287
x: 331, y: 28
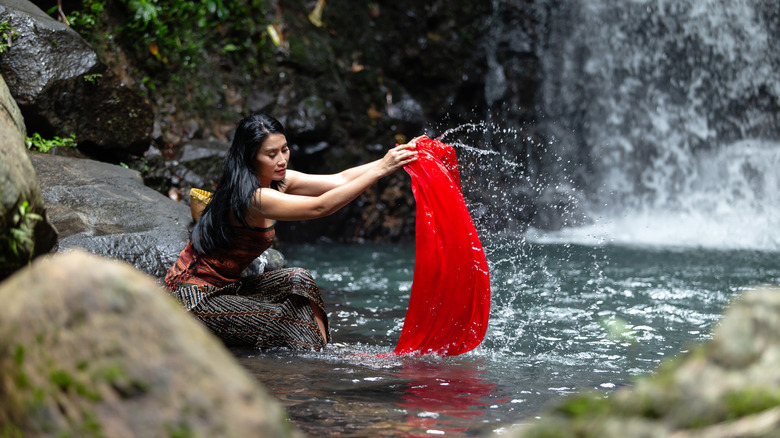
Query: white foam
x: 671, y: 230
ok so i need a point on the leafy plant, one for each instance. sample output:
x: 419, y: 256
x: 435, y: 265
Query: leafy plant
x: 171, y: 45
x: 87, y: 17
x: 92, y: 78
x: 20, y: 237
x: 165, y: 30
x: 40, y: 144
x: 7, y: 35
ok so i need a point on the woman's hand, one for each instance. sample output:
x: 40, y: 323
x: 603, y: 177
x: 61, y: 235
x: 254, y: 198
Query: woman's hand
x: 398, y: 157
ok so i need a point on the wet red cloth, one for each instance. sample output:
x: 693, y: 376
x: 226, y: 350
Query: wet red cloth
x: 450, y: 300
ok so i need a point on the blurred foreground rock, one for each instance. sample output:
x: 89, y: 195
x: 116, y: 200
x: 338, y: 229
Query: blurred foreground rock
x: 728, y: 387
x: 92, y: 347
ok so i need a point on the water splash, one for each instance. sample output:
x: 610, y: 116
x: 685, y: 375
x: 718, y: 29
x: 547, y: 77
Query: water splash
x: 569, y: 303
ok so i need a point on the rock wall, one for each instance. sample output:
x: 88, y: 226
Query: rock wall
x: 370, y: 76
x: 347, y: 88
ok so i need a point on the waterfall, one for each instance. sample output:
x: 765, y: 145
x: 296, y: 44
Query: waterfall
x: 677, y: 105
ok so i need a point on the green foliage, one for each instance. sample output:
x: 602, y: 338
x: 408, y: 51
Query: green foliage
x: 7, y: 35
x: 144, y: 11
x: 92, y: 78
x: 23, y: 380
x: 182, y: 34
x: 113, y: 373
x: 40, y: 144
x: 19, y: 242
x: 176, y: 48
x: 85, y: 19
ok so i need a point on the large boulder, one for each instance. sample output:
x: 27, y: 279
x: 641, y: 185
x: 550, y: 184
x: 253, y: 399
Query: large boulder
x: 62, y: 87
x: 106, y: 210
x: 92, y: 347
x: 25, y: 231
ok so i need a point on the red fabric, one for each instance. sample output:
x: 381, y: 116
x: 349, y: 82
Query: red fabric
x: 450, y: 300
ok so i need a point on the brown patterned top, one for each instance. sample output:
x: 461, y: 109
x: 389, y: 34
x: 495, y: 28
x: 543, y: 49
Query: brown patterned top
x: 223, y: 266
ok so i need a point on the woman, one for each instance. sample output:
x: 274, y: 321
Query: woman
x: 281, y: 308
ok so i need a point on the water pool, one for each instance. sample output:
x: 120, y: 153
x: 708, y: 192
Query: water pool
x: 565, y: 318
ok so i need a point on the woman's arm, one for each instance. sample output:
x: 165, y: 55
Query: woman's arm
x: 304, y: 184
x: 300, y: 183
x: 272, y: 204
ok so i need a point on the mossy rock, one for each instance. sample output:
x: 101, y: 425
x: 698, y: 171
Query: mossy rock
x: 729, y: 386
x: 91, y: 347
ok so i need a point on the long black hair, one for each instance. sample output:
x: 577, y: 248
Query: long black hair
x: 236, y: 186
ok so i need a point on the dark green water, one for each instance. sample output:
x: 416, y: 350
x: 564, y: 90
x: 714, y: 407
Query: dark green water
x: 564, y: 319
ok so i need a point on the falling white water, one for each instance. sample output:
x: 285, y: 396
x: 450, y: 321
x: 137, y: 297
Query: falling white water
x: 677, y: 104
x: 729, y: 199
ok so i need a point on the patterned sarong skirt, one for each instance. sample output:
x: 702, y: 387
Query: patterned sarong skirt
x: 269, y: 310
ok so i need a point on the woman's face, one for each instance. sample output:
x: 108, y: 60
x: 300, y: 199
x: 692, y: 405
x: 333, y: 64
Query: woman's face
x: 271, y: 159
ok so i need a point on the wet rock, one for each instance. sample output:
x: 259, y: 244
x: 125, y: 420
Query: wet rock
x: 309, y: 120
x: 201, y: 163
x: 270, y: 260
x: 62, y: 87
x: 25, y: 231
x: 198, y: 149
x: 407, y: 110
x: 274, y: 259
x: 311, y: 51
x: 105, y: 209
x: 259, y: 101
x: 92, y: 347
x: 727, y: 387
